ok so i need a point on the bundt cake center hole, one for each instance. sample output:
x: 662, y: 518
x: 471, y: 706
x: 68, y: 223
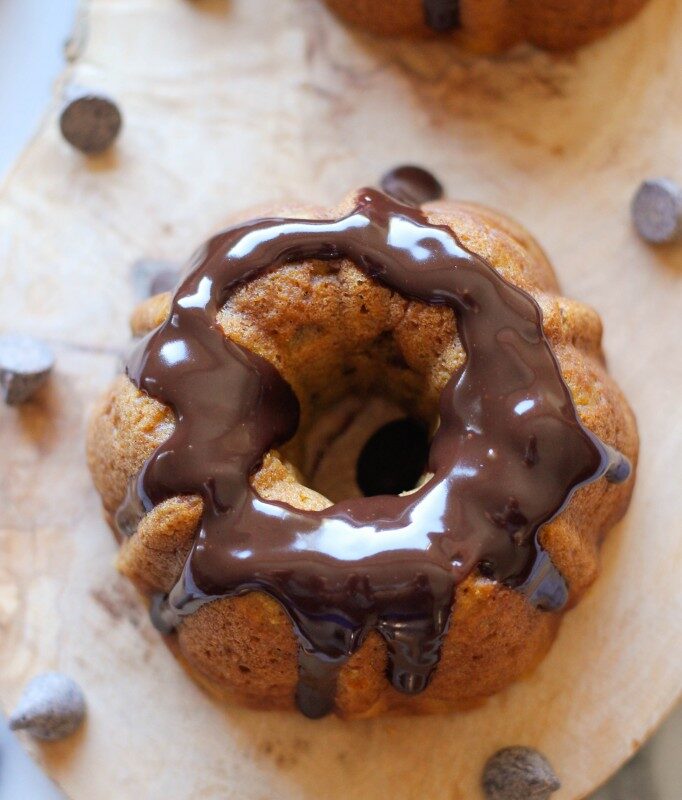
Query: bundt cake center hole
x: 393, y: 458
x: 363, y: 446
x: 359, y: 357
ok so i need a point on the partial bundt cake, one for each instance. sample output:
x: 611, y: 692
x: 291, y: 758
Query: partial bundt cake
x: 491, y: 25
x: 364, y: 457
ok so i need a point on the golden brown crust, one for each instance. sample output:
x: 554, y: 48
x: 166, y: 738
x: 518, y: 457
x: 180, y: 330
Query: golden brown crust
x: 494, y: 25
x: 244, y: 648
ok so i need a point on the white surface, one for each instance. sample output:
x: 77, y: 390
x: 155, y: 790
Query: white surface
x: 32, y: 33
x: 20, y: 779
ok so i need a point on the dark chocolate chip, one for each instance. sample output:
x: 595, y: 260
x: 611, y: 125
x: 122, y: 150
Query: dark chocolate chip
x: 90, y: 122
x: 519, y: 773
x: 51, y: 707
x: 25, y: 364
x: 657, y: 211
x: 411, y: 185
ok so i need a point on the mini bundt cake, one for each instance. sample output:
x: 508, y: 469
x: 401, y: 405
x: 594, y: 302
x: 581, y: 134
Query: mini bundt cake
x: 363, y: 459
x: 491, y: 25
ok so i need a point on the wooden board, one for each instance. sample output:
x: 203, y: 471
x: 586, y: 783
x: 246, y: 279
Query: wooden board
x: 232, y: 104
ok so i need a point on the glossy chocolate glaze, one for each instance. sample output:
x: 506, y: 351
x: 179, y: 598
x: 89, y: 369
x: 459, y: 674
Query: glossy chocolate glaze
x: 442, y: 15
x: 411, y: 184
x: 505, y: 459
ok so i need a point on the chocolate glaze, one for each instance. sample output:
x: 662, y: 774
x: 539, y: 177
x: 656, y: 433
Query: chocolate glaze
x: 442, y: 15
x: 505, y: 459
x: 412, y: 185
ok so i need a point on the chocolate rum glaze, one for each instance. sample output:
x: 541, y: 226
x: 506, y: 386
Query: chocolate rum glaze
x: 506, y: 457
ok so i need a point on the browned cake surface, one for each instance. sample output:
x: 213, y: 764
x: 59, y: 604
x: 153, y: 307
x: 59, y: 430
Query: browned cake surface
x: 491, y: 25
x: 332, y: 332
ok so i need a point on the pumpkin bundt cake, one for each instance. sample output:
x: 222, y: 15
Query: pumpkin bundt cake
x: 363, y: 458
x: 491, y: 25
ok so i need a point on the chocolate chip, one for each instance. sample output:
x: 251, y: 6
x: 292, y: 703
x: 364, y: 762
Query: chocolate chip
x: 25, y: 364
x: 657, y: 211
x: 152, y: 276
x: 90, y: 122
x: 51, y: 707
x: 411, y: 185
x: 519, y: 773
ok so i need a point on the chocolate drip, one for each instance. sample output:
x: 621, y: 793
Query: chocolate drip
x: 619, y: 468
x: 385, y: 563
x: 442, y: 15
x: 411, y: 185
